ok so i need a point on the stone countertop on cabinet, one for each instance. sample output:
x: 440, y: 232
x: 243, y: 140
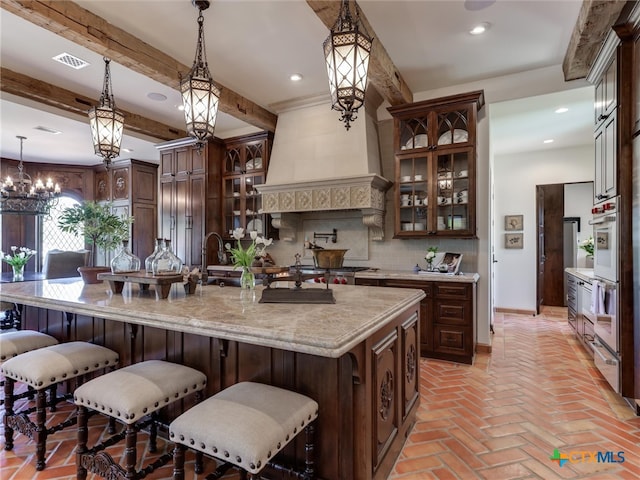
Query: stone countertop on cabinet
x: 424, y: 276
x: 585, y: 274
x: 328, y: 330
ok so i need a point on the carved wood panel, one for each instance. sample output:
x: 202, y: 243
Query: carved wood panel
x: 385, y: 395
x: 410, y: 359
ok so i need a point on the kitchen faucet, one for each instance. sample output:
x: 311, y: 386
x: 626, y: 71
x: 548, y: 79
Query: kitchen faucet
x: 222, y: 255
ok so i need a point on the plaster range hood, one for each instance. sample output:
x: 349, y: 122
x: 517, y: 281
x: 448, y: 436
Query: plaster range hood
x: 316, y: 165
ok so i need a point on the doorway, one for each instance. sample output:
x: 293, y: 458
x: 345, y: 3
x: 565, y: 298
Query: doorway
x: 555, y: 203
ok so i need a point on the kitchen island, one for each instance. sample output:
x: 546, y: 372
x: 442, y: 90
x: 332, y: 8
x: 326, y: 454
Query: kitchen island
x: 358, y: 357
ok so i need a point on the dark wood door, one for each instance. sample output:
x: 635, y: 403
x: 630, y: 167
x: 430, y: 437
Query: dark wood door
x: 540, y: 246
x: 551, y: 235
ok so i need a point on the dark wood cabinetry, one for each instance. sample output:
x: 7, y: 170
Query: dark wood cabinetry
x: 131, y: 186
x: 189, y: 196
x: 435, y: 166
x: 447, y: 317
x: 245, y: 165
x: 606, y: 103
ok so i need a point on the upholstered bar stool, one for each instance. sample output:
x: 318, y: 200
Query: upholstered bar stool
x: 41, y: 369
x: 132, y: 395
x: 15, y: 343
x: 245, y: 426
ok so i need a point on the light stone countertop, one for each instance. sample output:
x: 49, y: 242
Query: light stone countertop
x: 585, y: 274
x: 328, y: 330
x: 424, y: 276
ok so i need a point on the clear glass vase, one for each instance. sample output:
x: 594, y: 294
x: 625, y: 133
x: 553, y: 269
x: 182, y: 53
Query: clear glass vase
x: 247, y: 279
x: 18, y: 273
x: 125, y: 261
x: 166, y: 262
x: 148, y: 262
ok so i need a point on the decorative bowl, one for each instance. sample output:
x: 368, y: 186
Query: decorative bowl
x: 328, y: 258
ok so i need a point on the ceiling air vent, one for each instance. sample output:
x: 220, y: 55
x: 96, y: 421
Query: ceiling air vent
x: 71, y: 61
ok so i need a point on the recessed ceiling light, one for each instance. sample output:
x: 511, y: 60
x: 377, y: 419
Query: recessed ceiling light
x: 480, y: 28
x: 549, y: 140
x: 50, y: 130
x: 180, y: 107
x: 127, y: 150
x: 296, y: 77
x: 158, y: 97
x: 562, y: 110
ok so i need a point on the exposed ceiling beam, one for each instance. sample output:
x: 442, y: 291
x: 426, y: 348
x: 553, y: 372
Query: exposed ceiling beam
x: 383, y: 74
x: 594, y: 23
x: 84, y: 28
x: 68, y: 101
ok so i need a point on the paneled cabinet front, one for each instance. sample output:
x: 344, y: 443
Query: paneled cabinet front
x: 130, y: 186
x: 435, y: 166
x: 447, y: 317
x: 189, y: 197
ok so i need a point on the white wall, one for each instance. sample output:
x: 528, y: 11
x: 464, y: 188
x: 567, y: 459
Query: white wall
x: 516, y: 177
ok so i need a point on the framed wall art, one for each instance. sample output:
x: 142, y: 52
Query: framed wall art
x: 513, y: 240
x: 513, y: 222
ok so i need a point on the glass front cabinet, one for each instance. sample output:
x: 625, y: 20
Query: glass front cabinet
x: 435, y: 161
x: 245, y: 166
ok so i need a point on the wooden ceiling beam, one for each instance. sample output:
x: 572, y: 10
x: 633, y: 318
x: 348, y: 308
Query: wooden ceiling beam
x: 84, y: 28
x: 68, y: 101
x: 383, y: 74
x: 594, y: 22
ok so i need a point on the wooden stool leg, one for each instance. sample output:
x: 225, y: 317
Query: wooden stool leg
x: 153, y: 433
x: 53, y: 397
x: 112, y: 426
x: 309, y: 452
x: 199, y: 466
x: 83, y: 433
x: 130, y: 452
x: 41, y: 430
x: 8, y: 412
x: 178, y: 462
x: 243, y: 475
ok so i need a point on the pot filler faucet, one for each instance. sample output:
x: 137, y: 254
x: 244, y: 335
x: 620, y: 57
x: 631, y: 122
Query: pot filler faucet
x: 222, y: 255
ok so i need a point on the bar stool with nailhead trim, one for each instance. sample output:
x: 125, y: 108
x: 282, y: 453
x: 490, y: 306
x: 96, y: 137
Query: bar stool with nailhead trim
x: 22, y: 341
x: 245, y: 426
x: 41, y: 369
x: 132, y: 395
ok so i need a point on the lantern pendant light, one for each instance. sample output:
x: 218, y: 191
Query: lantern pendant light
x: 107, y: 123
x: 200, y: 96
x: 347, y: 50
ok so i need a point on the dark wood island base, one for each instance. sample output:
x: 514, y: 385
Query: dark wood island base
x: 366, y: 388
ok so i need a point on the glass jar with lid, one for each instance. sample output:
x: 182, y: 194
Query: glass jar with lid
x: 166, y: 262
x: 125, y: 261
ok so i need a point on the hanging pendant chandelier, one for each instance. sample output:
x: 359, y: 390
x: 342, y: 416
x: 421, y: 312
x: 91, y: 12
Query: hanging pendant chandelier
x: 19, y: 195
x: 347, y: 50
x: 200, y: 96
x: 107, y: 123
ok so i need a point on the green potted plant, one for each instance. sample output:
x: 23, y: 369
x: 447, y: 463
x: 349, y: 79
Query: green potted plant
x: 100, y: 228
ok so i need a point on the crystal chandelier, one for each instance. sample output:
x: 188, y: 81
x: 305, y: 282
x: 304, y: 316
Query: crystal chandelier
x: 200, y: 96
x: 346, y: 51
x: 21, y: 196
x: 107, y: 123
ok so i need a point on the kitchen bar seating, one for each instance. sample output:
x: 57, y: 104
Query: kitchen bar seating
x: 22, y: 341
x: 132, y: 395
x: 245, y: 426
x: 42, y: 369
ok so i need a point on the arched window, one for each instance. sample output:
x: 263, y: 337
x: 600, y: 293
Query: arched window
x: 52, y: 236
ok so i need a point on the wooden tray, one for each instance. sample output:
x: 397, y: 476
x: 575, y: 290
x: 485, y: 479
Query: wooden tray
x: 269, y: 270
x: 162, y: 283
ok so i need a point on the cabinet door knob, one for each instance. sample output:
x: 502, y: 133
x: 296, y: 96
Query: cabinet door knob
x: 602, y: 117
